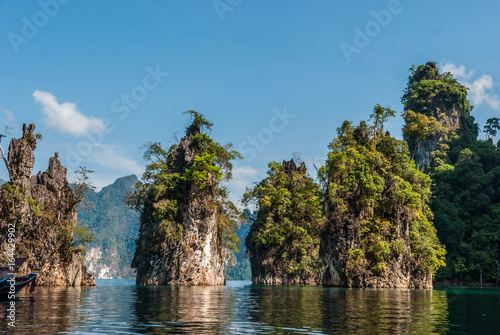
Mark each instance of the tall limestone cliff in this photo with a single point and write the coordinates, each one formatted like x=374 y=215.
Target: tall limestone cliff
x=283 y=242
x=186 y=224
x=438 y=96
x=378 y=230
x=43 y=210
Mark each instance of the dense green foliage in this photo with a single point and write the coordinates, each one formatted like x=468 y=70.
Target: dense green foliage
x=170 y=181
x=465 y=173
x=492 y=127
x=113 y=225
x=420 y=127
x=433 y=93
x=289 y=220
x=378 y=202
x=467 y=205
x=434 y=103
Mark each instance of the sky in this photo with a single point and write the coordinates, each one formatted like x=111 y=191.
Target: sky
x=100 y=79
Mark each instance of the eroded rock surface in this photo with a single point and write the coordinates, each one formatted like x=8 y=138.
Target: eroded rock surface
x=193 y=257
x=40 y=207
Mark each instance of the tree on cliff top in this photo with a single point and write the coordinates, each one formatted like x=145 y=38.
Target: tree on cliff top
x=289 y=220
x=377 y=202
x=169 y=180
x=433 y=93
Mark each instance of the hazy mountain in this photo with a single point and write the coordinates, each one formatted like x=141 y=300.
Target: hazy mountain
x=115 y=228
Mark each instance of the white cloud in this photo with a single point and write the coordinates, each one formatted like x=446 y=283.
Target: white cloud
x=109 y=156
x=8 y=118
x=457 y=71
x=66 y=117
x=480 y=90
x=243 y=177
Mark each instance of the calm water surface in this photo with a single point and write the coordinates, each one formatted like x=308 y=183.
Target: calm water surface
x=120 y=307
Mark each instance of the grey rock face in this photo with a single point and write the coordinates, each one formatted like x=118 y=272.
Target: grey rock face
x=197 y=257
x=450 y=120
x=38 y=224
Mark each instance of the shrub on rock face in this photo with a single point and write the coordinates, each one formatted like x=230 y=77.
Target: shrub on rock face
x=283 y=242
x=379 y=231
x=435 y=106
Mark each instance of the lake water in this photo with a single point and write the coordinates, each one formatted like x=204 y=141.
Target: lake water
x=120 y=307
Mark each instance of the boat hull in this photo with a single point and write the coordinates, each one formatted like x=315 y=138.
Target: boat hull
x=20 y=283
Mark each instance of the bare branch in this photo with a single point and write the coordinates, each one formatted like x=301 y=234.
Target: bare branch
x=2 y=135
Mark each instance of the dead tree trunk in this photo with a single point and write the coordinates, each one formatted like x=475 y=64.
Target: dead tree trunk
x=4 y=156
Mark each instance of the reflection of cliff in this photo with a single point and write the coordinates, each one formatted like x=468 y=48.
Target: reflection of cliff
x=287 y=306
x=48 y=311
x=186 y=309
x=43 y=210
x=391 y=310
x=253 y=309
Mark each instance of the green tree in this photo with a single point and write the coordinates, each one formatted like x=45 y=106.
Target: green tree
x=379 y=116
x=378 y=217
x=82 y=186
x=74 y=236
x=286 y=233
x=466 y=207
x=436 y=94
x=491 y=127
x=464 y=171
x=168 y=183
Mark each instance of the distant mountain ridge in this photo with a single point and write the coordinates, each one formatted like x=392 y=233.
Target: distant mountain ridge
x=115 y=228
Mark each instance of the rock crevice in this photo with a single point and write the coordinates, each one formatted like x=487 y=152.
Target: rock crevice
x=193 y=254
x=41 y=207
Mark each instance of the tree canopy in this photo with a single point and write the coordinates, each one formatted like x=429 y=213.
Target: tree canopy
x=170 y=180
x=433 y=93
x=378 y=204
x=286 y=232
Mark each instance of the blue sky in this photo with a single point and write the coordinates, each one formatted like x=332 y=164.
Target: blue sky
x=102 y=78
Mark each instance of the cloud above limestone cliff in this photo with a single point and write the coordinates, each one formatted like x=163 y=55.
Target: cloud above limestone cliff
x=243 y=177
x=7 y=117
x=110 y=156
x=66 y=117
x=480 y=89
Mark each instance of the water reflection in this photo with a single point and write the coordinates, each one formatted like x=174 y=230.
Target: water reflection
x=385 y=311
x=48 y=311
x=296 y=307
x=180 y=309
x=241 y=308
